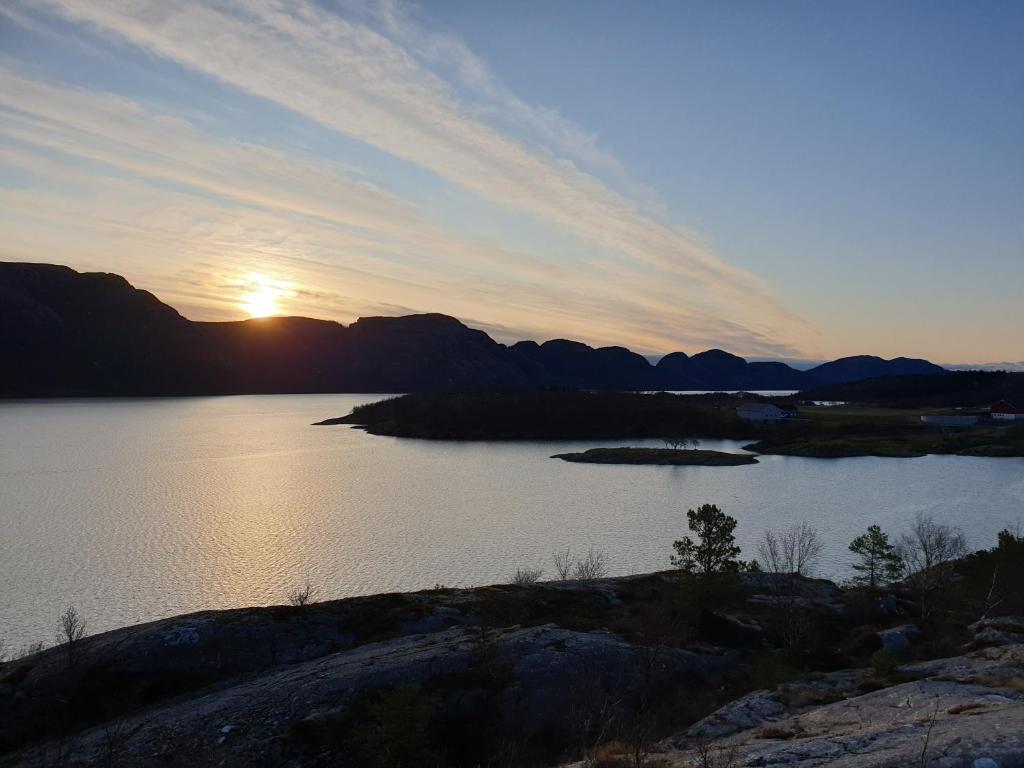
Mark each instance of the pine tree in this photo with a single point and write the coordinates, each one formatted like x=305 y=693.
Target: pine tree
x=716 y=552
x=879 y=563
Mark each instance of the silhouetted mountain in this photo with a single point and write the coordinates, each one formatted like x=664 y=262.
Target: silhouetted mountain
x=68 y=333
x=861 y=367
x=570 y=364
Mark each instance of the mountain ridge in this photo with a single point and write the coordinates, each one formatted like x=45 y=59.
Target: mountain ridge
x=64 y=332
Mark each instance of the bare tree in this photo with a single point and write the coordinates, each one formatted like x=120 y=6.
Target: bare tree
x=675 y=443
x=797 y=550
x=3 y=651
x=591 y=566
x=638 y=738
x=70 y=631
x=524 y=577
x=769 y=552
x=710 y=755
x=301 y=596
x=564 y=562
x=929 y=551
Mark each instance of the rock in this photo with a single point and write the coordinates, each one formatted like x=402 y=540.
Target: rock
x=749 y=711
x=543 y=676
x=968 y=708
x=997 y=630
x=898 y=640
x=788 y=583
x=729 y=629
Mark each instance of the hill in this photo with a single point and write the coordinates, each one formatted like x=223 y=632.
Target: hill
x=968 y=389
x=64 y=332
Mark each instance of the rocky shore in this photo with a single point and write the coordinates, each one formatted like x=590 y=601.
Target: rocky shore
x=758 y=669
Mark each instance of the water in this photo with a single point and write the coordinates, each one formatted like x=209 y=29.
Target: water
x=139 y=509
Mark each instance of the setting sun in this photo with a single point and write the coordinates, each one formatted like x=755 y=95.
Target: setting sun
x=260 y=298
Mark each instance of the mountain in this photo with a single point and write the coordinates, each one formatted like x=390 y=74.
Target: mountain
x=870 y=367
x=64 y=332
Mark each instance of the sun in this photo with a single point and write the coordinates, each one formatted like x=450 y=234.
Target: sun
x=260 y=298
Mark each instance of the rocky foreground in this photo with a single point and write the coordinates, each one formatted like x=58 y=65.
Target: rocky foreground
x=961 y=711
x=642 y=670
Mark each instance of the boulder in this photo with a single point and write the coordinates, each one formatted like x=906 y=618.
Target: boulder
x=898 y=640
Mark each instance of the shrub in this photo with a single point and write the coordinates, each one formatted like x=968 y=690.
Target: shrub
x=524 y=577
x=884 y=664
x=301 y=596
x=397 y=731
x=563 y=564
x=592 y=566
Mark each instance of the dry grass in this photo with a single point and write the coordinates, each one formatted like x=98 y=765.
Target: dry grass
x=772 y=732
x=1015 y=683
x=959 y=709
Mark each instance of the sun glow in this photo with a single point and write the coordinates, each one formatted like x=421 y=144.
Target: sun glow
x=260 y=296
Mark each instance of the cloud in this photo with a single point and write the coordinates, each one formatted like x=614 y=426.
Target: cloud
x=378 y=77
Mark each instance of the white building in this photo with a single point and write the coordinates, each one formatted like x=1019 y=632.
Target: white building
x=1003 y=411
x=765 y=413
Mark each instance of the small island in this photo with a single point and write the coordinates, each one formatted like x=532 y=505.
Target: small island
x=662 y=456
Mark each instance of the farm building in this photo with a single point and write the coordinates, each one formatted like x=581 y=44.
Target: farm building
x=1004 y=411
x=764 y=413
x=949 y=420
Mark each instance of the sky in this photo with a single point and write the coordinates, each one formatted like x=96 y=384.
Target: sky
x=789 y=180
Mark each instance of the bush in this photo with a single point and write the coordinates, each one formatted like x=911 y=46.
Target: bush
x=593 y=565
x=301 y=596
x=524 y=577
x=398 y=730
x=884 y=664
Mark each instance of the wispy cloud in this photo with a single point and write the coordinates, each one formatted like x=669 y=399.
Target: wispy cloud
x=378 y=77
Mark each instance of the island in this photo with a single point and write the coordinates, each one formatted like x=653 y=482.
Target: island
x=659 y=456
x=811 y=428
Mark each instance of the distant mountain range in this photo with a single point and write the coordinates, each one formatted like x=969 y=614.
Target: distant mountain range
x=68 y=333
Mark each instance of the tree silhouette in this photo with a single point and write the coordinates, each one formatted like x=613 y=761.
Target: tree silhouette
x=716 y=550
x=879 y=563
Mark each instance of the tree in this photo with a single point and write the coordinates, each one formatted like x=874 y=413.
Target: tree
x=70 y=631
x=716 y=551
x=928 y=552
x=879 y=562
x=797 y=550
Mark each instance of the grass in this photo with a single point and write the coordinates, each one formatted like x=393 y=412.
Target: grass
x=662 y=456
x=979 y=441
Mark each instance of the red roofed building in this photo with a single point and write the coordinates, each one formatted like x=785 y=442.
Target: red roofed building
x=1003 y=411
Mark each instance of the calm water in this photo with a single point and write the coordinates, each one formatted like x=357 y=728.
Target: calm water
x=138 y=509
